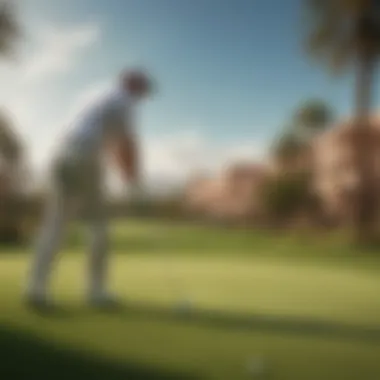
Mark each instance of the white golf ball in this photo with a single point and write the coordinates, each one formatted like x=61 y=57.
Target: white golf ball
x=256 y=366
x=184 y=306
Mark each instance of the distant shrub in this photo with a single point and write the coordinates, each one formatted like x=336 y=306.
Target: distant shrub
x=288 y=195
x=12 y=218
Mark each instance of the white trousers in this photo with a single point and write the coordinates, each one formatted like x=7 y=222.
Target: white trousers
x=76 y=190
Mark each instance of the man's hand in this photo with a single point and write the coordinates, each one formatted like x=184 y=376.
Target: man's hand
x=125 y=151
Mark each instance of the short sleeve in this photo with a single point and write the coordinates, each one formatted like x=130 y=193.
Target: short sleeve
x=118 y=115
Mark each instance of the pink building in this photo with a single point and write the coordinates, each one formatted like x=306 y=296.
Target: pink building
x=234 y=194
x=335 y=170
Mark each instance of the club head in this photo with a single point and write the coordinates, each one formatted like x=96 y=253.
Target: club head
x=184 y=306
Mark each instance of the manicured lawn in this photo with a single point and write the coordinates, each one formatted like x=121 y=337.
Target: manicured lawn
x=300 y=307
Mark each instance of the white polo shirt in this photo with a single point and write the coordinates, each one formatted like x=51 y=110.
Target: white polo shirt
x=105 y=118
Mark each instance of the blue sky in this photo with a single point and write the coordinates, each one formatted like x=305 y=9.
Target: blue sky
x=229 y=72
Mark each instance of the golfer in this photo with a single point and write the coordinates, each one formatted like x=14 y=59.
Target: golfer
x=78 y=183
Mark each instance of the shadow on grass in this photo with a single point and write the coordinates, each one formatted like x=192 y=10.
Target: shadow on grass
x=290 y=325
x=24 y=356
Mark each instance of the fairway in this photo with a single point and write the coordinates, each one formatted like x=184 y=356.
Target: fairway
x=264 y=307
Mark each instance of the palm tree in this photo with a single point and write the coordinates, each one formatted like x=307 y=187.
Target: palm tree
x=292 y=148
x=344 y=33
x=10 y=146
x=9 y=28
x=286 y=151
x=11 y=181
x=311 y=118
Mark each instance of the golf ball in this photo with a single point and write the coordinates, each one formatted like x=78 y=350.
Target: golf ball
x=184 y=306
x=256 y=366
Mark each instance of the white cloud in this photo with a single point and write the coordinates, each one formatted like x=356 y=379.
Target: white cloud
x=176 y=158
x=170 y=161
x=59 y=50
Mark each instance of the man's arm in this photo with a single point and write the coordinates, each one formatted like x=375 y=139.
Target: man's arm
x=123 y=146
x=126 y=153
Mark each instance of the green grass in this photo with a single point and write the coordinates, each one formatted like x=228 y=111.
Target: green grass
x=309 y=307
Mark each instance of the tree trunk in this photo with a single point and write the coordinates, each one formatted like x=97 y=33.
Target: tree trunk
x=365 y=208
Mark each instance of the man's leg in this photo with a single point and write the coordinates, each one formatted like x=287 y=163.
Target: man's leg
x=98 y=255
x=47 y=246
x=96 y=217
x=59 y=208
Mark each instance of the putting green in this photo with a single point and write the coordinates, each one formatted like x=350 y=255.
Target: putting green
x=298 y=319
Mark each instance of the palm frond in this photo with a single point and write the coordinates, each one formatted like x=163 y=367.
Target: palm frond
x=338 y=30
x=10 y=145
x=10 y=30
x=313 y=114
